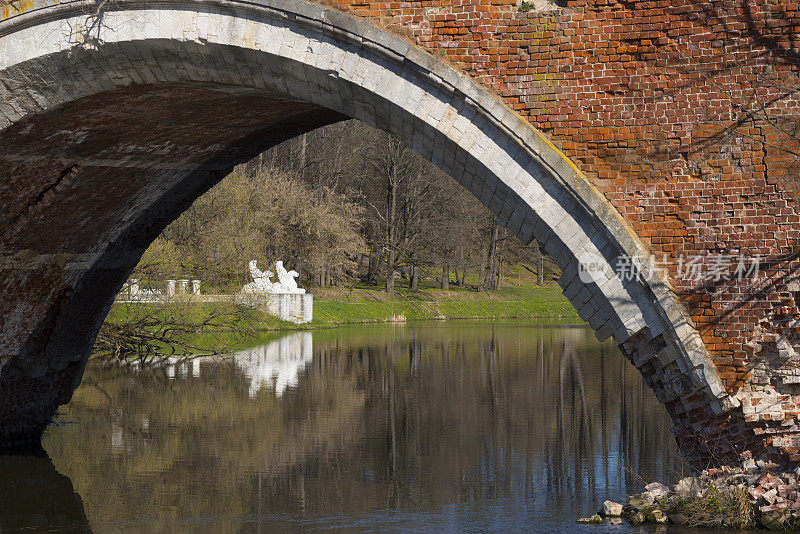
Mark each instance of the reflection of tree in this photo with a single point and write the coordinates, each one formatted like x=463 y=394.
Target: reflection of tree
x=160 y=442
x=569 y=362
x=495 y=404
x=399 y=418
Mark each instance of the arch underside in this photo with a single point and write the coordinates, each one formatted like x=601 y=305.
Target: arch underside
x=104 y=142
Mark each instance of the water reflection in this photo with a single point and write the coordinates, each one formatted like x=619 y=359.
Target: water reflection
x=276 y=365
x=419 y=427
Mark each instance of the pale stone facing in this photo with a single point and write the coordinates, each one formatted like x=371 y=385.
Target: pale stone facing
x=292 y=307
x=122 y=26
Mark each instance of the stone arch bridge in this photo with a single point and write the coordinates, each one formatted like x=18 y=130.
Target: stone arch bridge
x=636 y=133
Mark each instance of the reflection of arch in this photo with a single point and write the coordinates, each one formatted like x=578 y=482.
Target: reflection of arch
x=125 y=128
x=36 y=496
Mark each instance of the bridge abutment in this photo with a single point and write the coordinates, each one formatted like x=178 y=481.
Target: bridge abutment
x=49 y=322
x=28 y=403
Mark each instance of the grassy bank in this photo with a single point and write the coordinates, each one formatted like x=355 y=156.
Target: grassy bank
x=361 y=305
x=334 y=307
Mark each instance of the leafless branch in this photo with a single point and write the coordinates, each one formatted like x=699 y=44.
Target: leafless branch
x=151 y=334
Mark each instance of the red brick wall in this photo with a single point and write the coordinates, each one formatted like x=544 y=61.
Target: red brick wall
x=660 y=104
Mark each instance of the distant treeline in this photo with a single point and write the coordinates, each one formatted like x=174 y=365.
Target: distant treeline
x=342 y=205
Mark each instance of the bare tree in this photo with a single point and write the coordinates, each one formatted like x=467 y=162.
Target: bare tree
x=147 y=333
x=395 y=167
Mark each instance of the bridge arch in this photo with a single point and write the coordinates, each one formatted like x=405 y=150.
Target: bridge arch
x=112 y=122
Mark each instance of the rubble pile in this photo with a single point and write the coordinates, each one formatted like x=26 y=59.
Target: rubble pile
x=756 y=494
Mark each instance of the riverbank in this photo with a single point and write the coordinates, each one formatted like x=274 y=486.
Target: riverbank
x=334 y=307
x=189 y=327
x=756 y=494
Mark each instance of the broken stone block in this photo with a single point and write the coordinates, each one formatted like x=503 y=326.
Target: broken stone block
x=768 y=480
x=657 y=516
x=612 y=509
x=637 y=518
x=749 y=465
x=756 y=492
x=657 y=490
x=641 y=501
x=688 y=487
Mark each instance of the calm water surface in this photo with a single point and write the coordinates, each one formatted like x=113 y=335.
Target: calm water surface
x=513 y=426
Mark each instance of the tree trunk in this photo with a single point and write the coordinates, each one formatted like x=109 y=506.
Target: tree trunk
x=372 y=267
x=498 y=272
x=390 y=283
x=446 y=277
x=462 y=262
x=539 y=267
x=482 y=272
x=391 y=230
x=491 y=276
x=390 y=275
x=414 y=278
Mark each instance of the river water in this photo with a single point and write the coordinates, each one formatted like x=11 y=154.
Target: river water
x=453 y=426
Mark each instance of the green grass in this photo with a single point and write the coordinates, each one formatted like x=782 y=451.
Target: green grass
x=369 y=305
x=334 y=307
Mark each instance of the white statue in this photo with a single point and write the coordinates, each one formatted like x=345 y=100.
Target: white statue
x=261 y=280
x=262 y=284
x=287 y=281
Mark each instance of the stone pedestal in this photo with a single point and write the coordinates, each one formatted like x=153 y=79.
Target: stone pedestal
x=294 y=307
